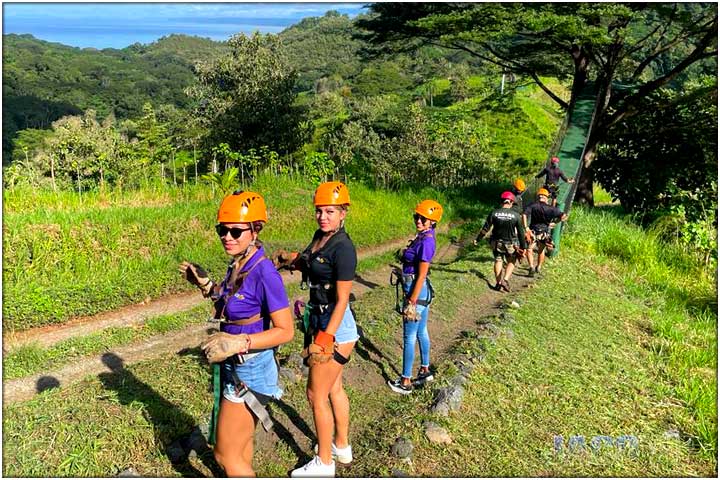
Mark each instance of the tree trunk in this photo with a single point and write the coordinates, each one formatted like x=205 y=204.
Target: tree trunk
x=52 y=172
x=77 y=169
x=196 y=163
x=584 y=192
x=581 y=62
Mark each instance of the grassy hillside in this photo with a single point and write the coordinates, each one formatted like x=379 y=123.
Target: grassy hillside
x=44 y=81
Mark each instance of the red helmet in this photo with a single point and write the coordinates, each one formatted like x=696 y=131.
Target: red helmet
x=507 y=196
x=555 y=160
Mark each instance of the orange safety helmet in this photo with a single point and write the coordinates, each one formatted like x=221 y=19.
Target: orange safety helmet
x=543 y=191
x=430 y=209
x=242 y=207
x=519 y=184
x=331 y=193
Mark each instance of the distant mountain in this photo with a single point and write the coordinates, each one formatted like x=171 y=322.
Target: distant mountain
x=322 y=47
x=44 y=81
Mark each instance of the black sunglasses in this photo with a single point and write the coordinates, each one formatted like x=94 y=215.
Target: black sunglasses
x=235 y=232
x=418 y=216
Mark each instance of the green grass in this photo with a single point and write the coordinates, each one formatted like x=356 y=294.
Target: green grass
x=73 y=259
x=682 y=299
x=601 y=196
x=580 y=361
x=32 y=358
x=574 y=365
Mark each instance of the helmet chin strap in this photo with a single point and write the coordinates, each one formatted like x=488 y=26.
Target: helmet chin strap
x=242 y=257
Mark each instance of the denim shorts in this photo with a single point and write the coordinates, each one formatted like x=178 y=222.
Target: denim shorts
x=259 y=373
x=347 y=331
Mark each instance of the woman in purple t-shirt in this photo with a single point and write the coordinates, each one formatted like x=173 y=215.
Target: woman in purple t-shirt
x=252 y=307
x=416 y=260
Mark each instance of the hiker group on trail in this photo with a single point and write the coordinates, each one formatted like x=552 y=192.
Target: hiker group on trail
x=517 y=232
x=254 y=315
x=553 y=174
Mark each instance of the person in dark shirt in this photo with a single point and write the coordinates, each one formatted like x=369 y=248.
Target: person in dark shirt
x=540 y=218
x=328 y=267
x=518 y=189
x=507 y=241
x=553 y=174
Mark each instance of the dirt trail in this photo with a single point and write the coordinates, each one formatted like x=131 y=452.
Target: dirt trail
x=25 y=388
x=136 y=314
x=369 y=370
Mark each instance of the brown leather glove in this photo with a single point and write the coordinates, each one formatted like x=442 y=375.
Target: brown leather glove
x=195 y=274
x=321 y=350
x=410 y=312
x=222 y=345
x=283 y=259
x=529 y=237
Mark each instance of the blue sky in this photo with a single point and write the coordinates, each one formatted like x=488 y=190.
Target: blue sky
x=117 y=25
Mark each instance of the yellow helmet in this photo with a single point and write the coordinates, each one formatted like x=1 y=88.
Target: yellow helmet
x=430 y=209
x=519 y=184
x=242 y=207
x=543 y=191
x=331 y=193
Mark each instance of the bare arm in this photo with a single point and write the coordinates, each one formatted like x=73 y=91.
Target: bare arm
x=281 y=332
x=420 y=277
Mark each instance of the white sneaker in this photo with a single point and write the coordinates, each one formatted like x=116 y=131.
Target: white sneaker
x=314 y=468
x=342 y=455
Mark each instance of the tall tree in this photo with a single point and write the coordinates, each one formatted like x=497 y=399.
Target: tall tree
x=246 y=97
x=644 y=46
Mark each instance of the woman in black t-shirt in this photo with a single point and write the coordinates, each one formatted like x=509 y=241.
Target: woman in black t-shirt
x=328 y=265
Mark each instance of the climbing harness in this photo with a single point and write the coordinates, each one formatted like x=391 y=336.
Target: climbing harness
x=302 y=314
x=398 y=280
x=241 y=390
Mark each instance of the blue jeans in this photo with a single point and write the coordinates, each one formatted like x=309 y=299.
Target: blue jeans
x=416 y=331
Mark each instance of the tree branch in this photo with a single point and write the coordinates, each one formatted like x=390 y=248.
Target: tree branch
x=630 y=103
x=474 y=53
x=545 y=89
x=682 y=36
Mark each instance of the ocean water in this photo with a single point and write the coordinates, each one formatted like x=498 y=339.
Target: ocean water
x=120 y=25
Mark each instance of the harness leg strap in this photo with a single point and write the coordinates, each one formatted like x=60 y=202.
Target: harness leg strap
x=212 y=431
x=257 y=408
x=251 y=400
x=337 y=356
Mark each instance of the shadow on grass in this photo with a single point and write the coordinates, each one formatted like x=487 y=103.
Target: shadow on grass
x=365 y=347
x=367 y=283
x=286 y=436
x=166 y=418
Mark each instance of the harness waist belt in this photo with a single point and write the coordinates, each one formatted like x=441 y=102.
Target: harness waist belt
x=243 y=321
x=319 y=308
x=244 y=357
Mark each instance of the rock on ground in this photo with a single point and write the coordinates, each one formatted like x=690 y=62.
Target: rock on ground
x=436 y=434
x=402 y=448
x=447 y=399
